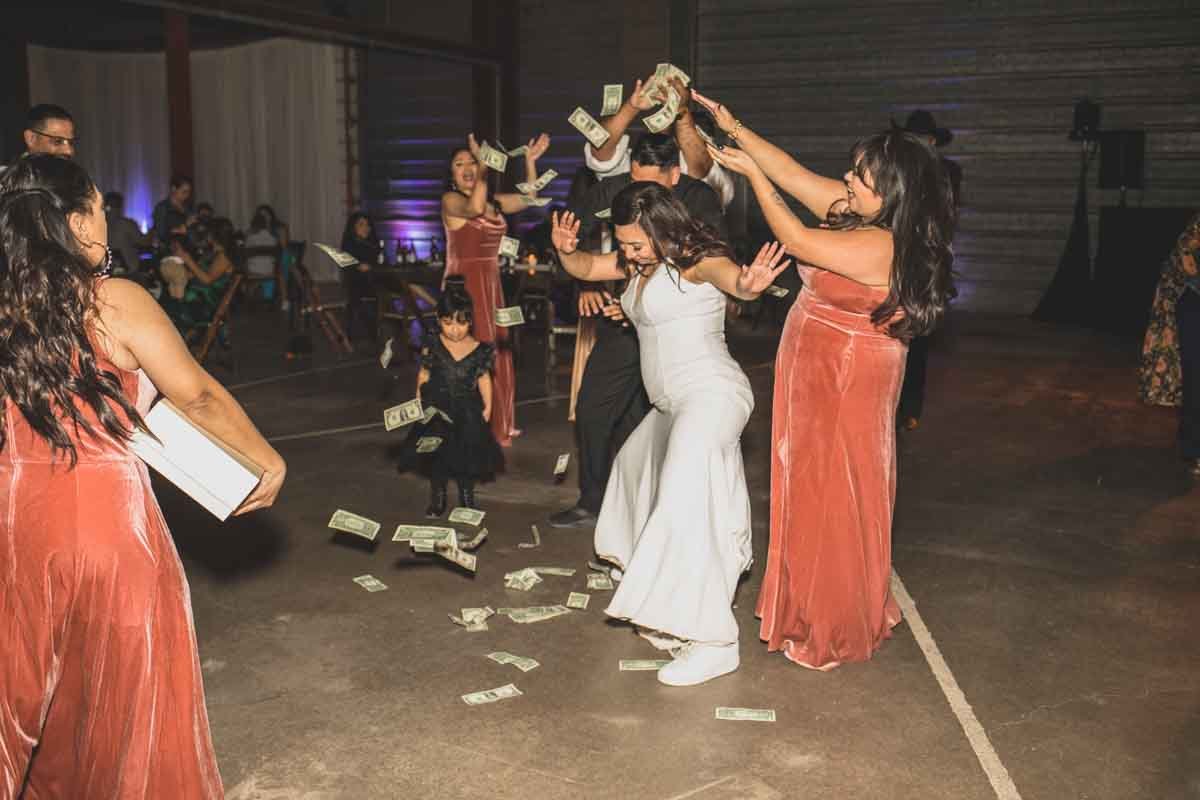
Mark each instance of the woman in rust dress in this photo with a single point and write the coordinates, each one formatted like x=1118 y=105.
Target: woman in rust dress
x=876 y=274
x=100 y=688
x=474 y=225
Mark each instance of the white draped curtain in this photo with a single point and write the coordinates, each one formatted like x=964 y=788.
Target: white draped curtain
x=266 y=129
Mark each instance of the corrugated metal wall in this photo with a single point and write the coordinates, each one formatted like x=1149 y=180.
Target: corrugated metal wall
x=1004 y=76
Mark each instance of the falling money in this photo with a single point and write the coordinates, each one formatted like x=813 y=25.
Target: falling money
x=508 y=317
x=586 y=124
x=776 y=291
x=340 y=257
x=604 y=214
x=518 y=151
x=370 y=583
x=427 y=444
x=509 y=246
x=403 y=414
x=560 y=466
x=535 y=201
x=613 y=94
x=468 y=516
x=494 y=159
x=544 y=181
x=352 y=523
x=491 y=695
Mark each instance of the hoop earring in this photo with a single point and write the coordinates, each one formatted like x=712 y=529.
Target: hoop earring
x=105 y=267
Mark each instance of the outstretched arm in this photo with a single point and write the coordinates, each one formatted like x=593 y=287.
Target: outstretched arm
x=564 y=233
x=512 y=202
x=748 y=282
x=690 y=144
x=618 y=123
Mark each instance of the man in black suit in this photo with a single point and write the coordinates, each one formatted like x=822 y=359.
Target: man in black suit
x=612 y=400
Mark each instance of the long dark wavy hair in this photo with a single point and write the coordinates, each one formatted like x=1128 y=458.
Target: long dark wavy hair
x=450 y=187
x=348 y=235
x=919 y=211
x=679 y=240
x=49 y=369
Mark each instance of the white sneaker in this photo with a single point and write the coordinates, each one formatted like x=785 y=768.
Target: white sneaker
x=698 y=663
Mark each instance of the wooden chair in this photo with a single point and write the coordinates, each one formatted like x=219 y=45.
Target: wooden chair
x=392 y=288
x=252 y=285
x=312 y=306
x=213 y=327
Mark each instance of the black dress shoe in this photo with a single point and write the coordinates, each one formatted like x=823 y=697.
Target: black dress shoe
x=466 y=496
x=574 y=517
x=437 y=502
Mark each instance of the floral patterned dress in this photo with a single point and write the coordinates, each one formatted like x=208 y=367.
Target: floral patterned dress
x=1159 y=377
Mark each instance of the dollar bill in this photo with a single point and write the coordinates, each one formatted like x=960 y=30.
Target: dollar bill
x=403 y=414
x=586 y=124
x=491 y=695
x=518 y=151
x=560 y=466
x=614 y=93
x=427 y=444
x=475 y=626
x=604 y=214
x=663 y=118
x=537 y=540
x=456 y=556
x=509 y=246
x=776 y=291
x=370 y=583
x=467 y=516
x=525 y=616
x=413 y=533
x=501 y=657
x=642 y=664
x=494 y=159
x=524 y=664
x=522 y=580
x=544 y=180
x=746 y=714
x=348 y=522
x=561 y=572
x=508 y=317
x=340 y=257
x=523 y=188
x=535 y=201
x=597 y=567
x=470 y=615
x=433 y=411
x=421 y=546
x=578 y=600
x=599 y=582
x=473 y=543
x=658 y=87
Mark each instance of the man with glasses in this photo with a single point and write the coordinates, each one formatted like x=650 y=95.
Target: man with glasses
x=50 y=129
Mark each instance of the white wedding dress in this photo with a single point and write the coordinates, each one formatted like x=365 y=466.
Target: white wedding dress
x=676 y=514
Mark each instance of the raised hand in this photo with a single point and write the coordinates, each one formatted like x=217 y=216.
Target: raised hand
x=537 y=147
x=638 y=99
x=762 y=272
x=685 y=93
x=564 y=232
x=734 y=159
x=473 y=146
x=724 y=118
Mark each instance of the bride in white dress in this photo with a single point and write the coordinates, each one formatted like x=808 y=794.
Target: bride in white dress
x=676 y=514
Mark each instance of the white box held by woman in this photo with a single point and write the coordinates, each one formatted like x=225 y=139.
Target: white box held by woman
x=211 y=472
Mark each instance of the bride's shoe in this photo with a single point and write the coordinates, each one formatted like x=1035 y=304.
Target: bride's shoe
x=698 y=663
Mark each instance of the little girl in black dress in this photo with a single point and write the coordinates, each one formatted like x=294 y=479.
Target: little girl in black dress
x=455 y=378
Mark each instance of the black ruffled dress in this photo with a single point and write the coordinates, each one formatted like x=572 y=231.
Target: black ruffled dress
x=467 y=450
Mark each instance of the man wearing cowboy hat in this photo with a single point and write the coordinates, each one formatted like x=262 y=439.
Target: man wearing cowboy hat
x=912 y=393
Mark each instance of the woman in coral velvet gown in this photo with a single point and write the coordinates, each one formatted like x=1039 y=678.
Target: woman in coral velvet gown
x=474 y=226
x=876 y=274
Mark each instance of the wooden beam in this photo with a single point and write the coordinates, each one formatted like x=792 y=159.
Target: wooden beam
x=179 y=93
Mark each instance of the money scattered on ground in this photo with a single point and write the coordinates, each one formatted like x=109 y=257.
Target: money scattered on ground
x=429 y=533
x=561 y=572
x=467 y=516
x=597 y=566
x=614 y=93
x=537 y=540
x=522 y=580
x=560 y=466
x=472 y=615
x=578 y=600
x=518 y=151
x=456 y=556
x=604 y=214
x=403 y=414
x=370 y=583
x=427 y=444
x=494 y=159
x=471 y=544
x=776 y=291
x=524 y=616
x=746 y=714
x=507 y=317
x=586 y=124
x=491 y=695
x=420 y=546
x=642 y=664
x=509 y=246
x=340 y=257
x=535 y=201
x=347 y=522
x=520 y=662
x=476 y=626
x=598 y=582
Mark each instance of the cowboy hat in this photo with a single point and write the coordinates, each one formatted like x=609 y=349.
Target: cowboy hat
x=921 y=123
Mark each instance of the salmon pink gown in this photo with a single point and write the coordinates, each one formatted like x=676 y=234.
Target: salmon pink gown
x=473 y=251
x=826 y=596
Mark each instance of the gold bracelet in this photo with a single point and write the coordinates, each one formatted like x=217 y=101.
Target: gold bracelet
x=733 y=134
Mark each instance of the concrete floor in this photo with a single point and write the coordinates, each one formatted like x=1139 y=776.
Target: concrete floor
x=1044 y=528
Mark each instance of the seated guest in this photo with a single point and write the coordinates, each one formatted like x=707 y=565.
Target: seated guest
x=261 y=264
x=171 y=215
x=204 y=212
x=124 y=236
x=211 y=280
x=360 y=241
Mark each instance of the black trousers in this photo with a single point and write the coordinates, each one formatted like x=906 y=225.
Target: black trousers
x=912 y=393
x=1187 y=315
x=611 y=403
x=359 y=310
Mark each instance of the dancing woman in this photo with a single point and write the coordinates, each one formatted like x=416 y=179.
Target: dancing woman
x=472 y=217
x=676 y=516
x=875 y=275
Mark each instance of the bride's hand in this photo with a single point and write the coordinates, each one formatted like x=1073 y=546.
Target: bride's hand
x=537 y=147
x=724 y=118
x=763 y=271
x=564 y=232
x=734 y=159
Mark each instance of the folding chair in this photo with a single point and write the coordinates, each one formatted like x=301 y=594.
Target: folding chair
x=311 y=304
x=254 y=283
x=213 y=327
x=391 y=288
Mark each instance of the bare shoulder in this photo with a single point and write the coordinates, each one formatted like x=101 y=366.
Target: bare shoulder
x=120 y=295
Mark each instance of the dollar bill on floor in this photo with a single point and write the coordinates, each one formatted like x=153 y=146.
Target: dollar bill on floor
x=614 y=93
x=560 y=466
x=524 y=664
x=501 y=657
x=477 y=626
x=491 y=695
x=544 y=180
x=410 y=533
x=370 y=583
x=525 y=616
x=427 y=444
x=494 y=159
x=403 y=414
x=537 y=540
x=471 y=544
x=522 y=580
x=467 y=516
x=776 y=291
x=599 y=583
x=509 y=246
x=348 y=522
x=538 y=202
x=455 y=556
x=597 y=567
x=746 y=714
x=561 y=572
x=510 y=316
x=471 y=615
x=642 y=664
x=586 y=124
x=578 y=601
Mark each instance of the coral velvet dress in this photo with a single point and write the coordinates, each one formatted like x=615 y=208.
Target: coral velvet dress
x=473 y=251
x=100 y=689
x=825 y=597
